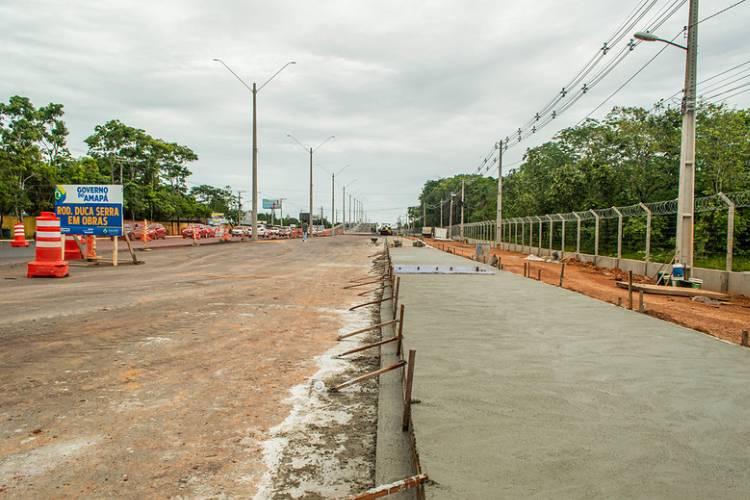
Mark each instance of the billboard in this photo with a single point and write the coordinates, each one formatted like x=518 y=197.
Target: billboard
x=94 y=209
x=270 y=204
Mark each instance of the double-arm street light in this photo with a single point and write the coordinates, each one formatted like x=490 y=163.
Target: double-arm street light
x=311 y=151
x=686 y=194
x=254 y=90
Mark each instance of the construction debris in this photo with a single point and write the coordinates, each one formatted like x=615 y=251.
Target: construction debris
x=418 y=243
x=706 y=300
x=675 y=291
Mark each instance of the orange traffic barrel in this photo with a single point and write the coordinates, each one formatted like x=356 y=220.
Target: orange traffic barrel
x=91 y=247
x=19 y=238
x=72 y=251
x=48 y=262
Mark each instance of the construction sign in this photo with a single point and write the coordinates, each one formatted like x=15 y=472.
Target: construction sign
x=90 y=209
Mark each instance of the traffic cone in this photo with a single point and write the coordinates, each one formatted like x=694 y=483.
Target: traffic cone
x=19 y=237
x=48 y=262
x=72 y=252
x=91 y=247
x=145 y=234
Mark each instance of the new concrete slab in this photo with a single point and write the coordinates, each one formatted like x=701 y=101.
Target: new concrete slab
x=528 y=390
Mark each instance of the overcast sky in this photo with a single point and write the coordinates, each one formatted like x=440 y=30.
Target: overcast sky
x=411 y=90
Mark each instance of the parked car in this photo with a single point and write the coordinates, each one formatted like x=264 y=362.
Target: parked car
x=285 y=232
x=272 y=232
x=201 y=230
x=240 y=231
x=154 y=231
x=262 y=230
x=208 y=232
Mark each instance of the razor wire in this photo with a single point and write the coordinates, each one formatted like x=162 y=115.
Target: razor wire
x=667 y=207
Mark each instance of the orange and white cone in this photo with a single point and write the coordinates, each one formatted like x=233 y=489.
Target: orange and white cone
x=19 y=237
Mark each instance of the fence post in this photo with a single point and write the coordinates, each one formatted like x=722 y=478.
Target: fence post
x=523 y=233
x=647 y=257
x=619 y=236
x=549 y=217
x=596 y=235
x=562 y=237
x=730 y=232
x=540 y=234
x=578 y=235
x=531 y=233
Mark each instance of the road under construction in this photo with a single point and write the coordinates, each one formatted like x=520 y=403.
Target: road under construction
x=355 y=366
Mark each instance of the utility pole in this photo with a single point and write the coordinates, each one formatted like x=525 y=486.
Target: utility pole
x=450 y=218
x=463 y=183
x=441 y=212
x=499 y=220
x=254 y=90
x=686 y=195
x=309 y=226
x=351 y=221
x=424 y=214
x=333 y=202
x=239 y=206
x=343 y=205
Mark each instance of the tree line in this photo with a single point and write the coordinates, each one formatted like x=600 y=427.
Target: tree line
x=34 y=157
x=630 y=156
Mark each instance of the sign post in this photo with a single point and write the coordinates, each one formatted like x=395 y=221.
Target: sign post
x=90 y=210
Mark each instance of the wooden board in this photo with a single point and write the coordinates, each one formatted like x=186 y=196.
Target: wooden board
x=674 y=291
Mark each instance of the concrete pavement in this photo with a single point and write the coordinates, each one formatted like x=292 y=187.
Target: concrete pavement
x=528 y=390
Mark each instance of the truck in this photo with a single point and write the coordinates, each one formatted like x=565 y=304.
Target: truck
x=426 y=231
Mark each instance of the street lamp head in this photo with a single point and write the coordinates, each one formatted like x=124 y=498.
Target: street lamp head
x=645 y=36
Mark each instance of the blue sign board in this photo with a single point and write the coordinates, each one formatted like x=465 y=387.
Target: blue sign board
x=270 y=204
x=94 y=209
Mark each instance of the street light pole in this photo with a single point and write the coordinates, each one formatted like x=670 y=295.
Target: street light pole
x=450 y=218
x=686 y=193
x=310 y=150
x=499 y=215
x=254 y=90
x=333 y=198
x=686 y=189
x=462 y=208
x=310 y=224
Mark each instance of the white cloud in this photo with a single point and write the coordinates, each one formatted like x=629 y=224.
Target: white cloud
x=412 y=90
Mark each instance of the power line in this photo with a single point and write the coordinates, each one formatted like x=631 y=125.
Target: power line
x=721 y=11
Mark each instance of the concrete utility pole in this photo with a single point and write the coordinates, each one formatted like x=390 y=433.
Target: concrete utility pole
x=686 y=191
x=254 y=91
x=311 y=151
x=441 y=212
x=499 y=215
x=424 y=214
x=239 y=206
x=281 y=210
x=462 y=208
x=351 y=221
x=686 y=196
x=450 y=218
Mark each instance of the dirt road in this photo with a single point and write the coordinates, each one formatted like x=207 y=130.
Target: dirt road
x=164 y=379
x=725 y=321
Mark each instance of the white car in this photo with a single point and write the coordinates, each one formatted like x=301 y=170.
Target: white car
x=262 y=231
x=242 y=231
